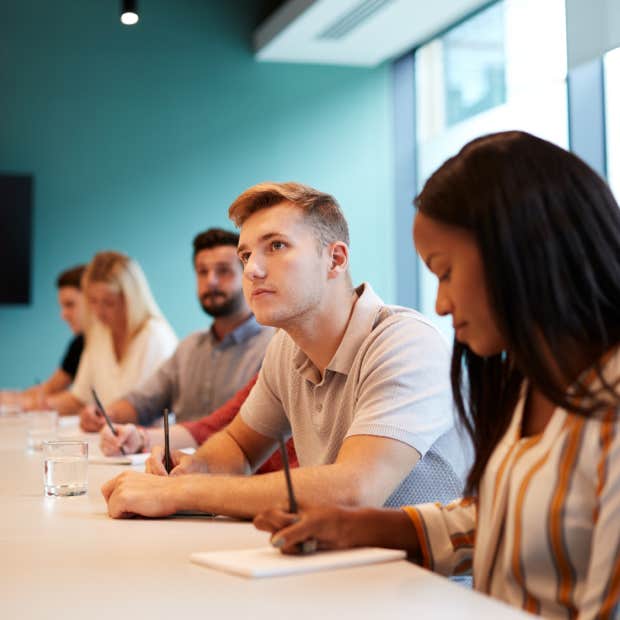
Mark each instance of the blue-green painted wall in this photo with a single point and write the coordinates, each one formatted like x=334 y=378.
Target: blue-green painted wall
x=140 y=137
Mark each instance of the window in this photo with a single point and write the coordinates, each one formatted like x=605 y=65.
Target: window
x=612 y=120
x=504 y=68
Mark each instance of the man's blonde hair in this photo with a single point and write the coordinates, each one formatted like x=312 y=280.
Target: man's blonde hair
x=125 y=276
x=322 y=210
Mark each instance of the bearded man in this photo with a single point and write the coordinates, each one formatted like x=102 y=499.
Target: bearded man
x=210 y=366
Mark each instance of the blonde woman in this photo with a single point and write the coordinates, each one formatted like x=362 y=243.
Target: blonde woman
x=127 y=337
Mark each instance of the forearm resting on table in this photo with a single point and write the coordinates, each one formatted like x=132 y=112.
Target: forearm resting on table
x=59 y=380
x=246 y=496
x=388 y=528
x=65 y=403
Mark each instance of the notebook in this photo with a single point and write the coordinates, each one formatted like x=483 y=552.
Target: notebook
x=96 y=458
x=128 y=459
x=269 y=562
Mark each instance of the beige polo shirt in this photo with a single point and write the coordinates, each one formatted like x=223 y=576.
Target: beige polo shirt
x=389 y=377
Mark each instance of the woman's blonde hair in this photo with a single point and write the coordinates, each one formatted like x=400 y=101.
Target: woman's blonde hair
x=124 y=275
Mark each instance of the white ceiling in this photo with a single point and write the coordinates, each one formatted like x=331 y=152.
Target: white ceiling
x=353 y=32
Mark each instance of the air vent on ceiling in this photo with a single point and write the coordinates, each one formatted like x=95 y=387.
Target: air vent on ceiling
x=352 y=19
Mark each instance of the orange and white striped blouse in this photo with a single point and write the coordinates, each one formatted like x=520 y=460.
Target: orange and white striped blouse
x=546 y=523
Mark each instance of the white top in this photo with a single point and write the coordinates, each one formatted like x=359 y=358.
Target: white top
x=389 y=377
x=100 y=369
x=546 y=524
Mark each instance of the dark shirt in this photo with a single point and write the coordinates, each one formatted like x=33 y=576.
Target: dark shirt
x=71 y=359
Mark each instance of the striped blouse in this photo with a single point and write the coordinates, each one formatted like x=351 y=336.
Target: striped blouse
x=546 y=523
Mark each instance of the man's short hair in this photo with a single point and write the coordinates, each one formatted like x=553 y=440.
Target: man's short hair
x=321 y=209
x=71 y=277
x=213 y=238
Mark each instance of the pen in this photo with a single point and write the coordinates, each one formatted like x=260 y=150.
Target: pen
x=106 y=416
x=307 y=546
x=167 y=457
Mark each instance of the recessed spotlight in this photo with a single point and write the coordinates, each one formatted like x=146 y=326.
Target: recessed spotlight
x=129 y=12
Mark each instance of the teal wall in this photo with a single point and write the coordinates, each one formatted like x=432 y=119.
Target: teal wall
x=140 y=137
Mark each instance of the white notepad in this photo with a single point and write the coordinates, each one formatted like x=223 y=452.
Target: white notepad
x=128 y=459
x=269 y=562
x=96 y=458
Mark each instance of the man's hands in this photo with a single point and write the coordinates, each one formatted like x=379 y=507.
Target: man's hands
x=132 y=493
x=182 y=463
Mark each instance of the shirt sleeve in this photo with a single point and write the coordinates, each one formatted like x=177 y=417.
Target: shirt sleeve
x=446 y=534
x=71 y=358
x=263 y=410
x=602 y=589
x=404 y=391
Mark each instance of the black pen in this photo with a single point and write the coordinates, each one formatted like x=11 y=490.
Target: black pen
x=307 y=546
x=167 y=457
x=106 y=416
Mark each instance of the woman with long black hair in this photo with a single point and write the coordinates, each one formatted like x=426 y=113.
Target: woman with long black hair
x=524 y=239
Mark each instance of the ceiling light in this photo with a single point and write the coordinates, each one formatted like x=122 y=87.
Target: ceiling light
x=129 y=12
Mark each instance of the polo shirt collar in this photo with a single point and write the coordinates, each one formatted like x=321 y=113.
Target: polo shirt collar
x=361 y=323
x=249 y=328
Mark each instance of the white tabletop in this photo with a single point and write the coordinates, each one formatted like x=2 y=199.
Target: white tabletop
x=64 y=558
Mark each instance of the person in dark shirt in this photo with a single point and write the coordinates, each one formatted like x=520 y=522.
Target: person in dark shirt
x=70 y=300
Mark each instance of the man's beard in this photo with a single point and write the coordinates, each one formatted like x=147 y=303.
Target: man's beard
x=227 y=307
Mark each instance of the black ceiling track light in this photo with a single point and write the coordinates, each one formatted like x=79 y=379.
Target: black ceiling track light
x=129 y=12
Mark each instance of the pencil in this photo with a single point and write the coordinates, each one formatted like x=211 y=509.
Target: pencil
x=167 y=457
x=292 y=502
x=310 y=545
x=106 y=416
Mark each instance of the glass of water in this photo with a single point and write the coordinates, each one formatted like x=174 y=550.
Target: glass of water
x=42 y=426
x=66 y=467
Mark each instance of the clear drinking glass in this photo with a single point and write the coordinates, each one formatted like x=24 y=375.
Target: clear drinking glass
x=10 y=404
x=66 y=467
x=42 y=426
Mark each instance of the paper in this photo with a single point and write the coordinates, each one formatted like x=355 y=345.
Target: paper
x=96 y=458
x=269 y=562
x=128 y=459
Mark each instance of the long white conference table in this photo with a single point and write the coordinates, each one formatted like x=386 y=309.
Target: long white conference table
x=64 y=558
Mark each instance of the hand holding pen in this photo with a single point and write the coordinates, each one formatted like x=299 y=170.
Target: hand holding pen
x=306 y=546
x=105 y=415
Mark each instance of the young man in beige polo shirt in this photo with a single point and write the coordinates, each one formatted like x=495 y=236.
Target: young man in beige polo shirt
x=361 y=386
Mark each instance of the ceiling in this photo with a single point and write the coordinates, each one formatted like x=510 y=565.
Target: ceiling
x=354 y=32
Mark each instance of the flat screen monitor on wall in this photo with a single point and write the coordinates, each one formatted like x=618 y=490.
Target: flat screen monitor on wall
x=15 y=238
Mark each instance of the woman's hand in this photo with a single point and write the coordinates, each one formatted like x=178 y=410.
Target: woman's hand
x=90 y=420
x=333 y=527
x=330 y=527
x=128 y=437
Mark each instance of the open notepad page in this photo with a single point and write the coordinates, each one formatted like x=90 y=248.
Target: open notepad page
x=96 y=458
x=269 y=562
x=128 y=459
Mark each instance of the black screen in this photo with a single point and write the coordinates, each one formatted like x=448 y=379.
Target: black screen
x=15 y=238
